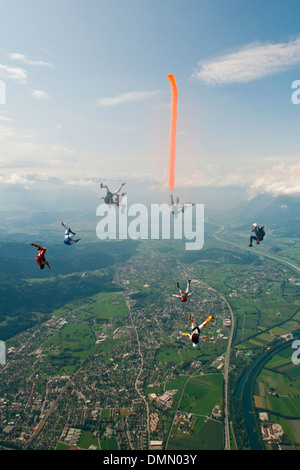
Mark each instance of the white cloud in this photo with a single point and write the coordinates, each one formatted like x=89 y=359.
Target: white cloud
x=279 y=180
x=212 y=176
x=127 y=98
x=22 y=154
x=15 y=74
x=250 y=63
x=40 y=95
x=5 y=118
x=6 y=132
x=23 y=58
x=14 y=179
x=89 y=183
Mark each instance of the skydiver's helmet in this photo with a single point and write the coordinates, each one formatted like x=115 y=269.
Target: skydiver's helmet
x=255 y=225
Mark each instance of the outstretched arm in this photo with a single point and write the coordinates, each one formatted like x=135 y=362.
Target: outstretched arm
x=34 y=244
x=39 y=247
x=205 y=322
x=186 y=334
x=119 y=188
x=104 y=186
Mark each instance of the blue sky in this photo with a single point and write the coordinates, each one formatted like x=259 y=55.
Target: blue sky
x=88 y=98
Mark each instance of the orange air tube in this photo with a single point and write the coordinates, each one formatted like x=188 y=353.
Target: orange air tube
x=173 y=131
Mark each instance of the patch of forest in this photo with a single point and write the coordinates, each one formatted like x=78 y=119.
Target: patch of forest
x=28 y=294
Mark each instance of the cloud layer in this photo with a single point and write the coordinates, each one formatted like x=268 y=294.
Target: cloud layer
x=16 y=74
x=250 y=63
x=127 y=98
x=23 y=58
x=277 y=181
x=19 y=75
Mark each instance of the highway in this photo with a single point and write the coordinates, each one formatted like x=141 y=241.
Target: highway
x=258 y=253
x=227 y=357
x=221 y=228
x=137 y=387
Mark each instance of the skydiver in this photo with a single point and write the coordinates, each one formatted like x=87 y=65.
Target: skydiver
x=184 y=295
x=109 y=198
x=40 y=259
x=186 y=204
x=259 y=234
x=195 y=337
x=174 y=206
x=177 y=207
x=69 y=240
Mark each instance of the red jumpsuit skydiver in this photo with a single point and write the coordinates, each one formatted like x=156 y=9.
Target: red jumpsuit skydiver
x=40 y=259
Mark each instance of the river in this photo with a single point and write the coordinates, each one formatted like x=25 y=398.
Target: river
x=244 y=391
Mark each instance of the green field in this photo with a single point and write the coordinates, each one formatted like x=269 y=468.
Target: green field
x=198 y=395
x=109 y=444
x=202 y=393
x=67 y=350
x=278 y=386
x=86 y=440
x=105 y=305
x=291 y=428
x=76 y=341
x=207 y=435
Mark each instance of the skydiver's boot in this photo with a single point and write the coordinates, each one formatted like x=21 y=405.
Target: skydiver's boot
x=207 y=321
x=209 y=318
x=250 y=244
x=257 y=242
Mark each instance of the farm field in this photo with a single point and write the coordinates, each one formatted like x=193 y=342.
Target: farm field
x=82 y=323
x=199 y=394
x=277 y=392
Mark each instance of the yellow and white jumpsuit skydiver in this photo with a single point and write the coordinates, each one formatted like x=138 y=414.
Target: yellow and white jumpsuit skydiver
x=195 y=337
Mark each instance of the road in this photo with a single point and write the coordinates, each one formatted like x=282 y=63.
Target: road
x=51 y=409
x=175 y=413
x=227 y=358
x=221 y=228
x=137 y=388
x=258 y=253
